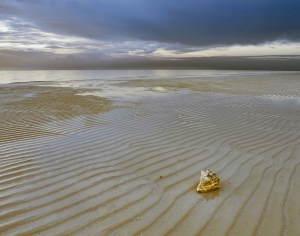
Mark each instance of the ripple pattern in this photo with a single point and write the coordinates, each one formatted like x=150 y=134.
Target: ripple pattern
x=72 y=165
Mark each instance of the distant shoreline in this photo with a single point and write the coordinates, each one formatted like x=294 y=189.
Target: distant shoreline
x=279 y=63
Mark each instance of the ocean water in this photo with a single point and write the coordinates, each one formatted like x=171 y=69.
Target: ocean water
x=7 y=77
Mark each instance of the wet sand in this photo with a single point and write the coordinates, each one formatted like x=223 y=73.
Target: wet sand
x=25 y=108
x=75 y=164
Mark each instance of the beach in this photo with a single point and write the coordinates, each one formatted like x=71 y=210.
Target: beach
x=123 y=156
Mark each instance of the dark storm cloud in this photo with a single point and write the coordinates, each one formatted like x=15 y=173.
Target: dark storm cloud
x=189 y=22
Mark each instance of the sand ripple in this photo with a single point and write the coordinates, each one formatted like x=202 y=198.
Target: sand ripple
x=72 y=165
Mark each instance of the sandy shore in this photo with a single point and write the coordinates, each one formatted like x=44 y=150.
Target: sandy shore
x=73 y=163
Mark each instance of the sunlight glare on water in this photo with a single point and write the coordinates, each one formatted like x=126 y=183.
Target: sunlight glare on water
x=108 y=75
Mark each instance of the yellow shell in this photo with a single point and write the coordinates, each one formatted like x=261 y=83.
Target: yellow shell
x=208 y=181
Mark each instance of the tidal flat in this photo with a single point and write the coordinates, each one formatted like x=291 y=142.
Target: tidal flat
x=122 y=156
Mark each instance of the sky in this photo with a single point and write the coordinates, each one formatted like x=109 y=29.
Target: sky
x=146 y=34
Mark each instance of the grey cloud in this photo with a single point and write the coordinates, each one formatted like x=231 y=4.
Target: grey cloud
x=187 y=22
x=53 y=47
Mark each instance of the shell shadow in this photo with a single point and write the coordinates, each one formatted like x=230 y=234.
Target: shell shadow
x=209 y=196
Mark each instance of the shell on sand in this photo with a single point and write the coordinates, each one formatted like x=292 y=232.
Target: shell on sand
x=208 y=181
